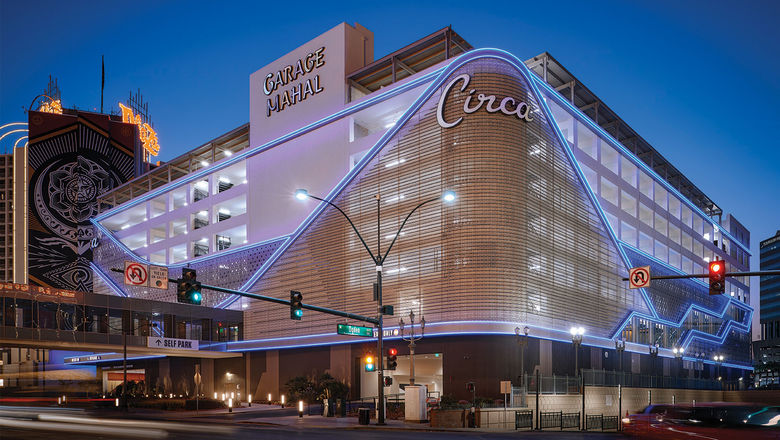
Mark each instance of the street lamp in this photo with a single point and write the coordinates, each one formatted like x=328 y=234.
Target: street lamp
x=576 y=339
x=678 y=353
x=522 y=341
x=718 y=360
x=378 y=259
x=412 y=339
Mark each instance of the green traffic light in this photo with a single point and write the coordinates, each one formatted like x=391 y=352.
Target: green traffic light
x=299 y=313
x=369 y=367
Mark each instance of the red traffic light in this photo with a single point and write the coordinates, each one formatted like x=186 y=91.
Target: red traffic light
x=392 y=352
x=717 y=277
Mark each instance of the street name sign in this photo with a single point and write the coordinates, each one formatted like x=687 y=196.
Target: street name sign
x=639 y=277
x=172 y=343
x=354 y=330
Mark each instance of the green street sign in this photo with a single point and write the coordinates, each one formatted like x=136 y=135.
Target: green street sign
x=354 y=330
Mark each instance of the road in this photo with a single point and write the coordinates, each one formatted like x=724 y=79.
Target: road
x=63 y=424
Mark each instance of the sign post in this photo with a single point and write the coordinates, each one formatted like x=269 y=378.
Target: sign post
x=197 y=385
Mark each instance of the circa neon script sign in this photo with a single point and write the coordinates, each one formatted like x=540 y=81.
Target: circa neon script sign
x=508 y=106
x=298 y=92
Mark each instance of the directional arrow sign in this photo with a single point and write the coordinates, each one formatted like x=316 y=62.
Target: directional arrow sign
x=172 y=343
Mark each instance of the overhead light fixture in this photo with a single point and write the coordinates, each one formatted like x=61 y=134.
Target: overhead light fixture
x=228 y=153
x=204 y=163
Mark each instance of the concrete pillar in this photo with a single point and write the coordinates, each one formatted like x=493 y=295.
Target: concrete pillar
x=269 y=380
x=340 y=362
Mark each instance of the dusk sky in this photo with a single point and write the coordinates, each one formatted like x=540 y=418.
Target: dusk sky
x=698 y=80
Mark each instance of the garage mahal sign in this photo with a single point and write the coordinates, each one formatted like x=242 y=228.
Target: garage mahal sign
x=294 y=74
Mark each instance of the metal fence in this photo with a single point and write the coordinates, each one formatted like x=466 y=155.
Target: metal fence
x=601 y=422
x=553 y=384
x=615 y=378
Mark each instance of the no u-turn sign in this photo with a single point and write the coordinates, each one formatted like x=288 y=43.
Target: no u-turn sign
x=639 y=277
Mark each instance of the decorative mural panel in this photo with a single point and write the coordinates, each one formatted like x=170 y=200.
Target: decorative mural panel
x=73 y=158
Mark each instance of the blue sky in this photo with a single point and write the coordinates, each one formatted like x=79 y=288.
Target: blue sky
x=697 y=79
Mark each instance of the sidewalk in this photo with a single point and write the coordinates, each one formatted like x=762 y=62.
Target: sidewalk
x=320 y=422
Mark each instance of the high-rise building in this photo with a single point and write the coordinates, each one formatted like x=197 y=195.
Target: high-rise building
x=767 y=350
x=6 y=217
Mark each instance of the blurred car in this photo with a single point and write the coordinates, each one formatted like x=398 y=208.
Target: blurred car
x=711 y=421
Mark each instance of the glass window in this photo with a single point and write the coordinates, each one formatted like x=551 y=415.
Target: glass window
x=609 y=158
x=686 y=215
x=698 y=249
x=687 y=265
x=674 y=233
x=587 y=141
x=674 y=206
x=613 y=222
x=564 y=120
x=646 y=184
x=609 y=191
x=697 y=224
x=628 y=203
x=646 y=215
x=628 y=171
x=660 y=195
x=646 y=243
x=628 y=233
x=675 y=258
x=686 y=241
x=591 y=177
x=661 y=251
x=660 y=224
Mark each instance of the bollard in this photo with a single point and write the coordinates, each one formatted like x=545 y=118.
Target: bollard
x=249 y=400
x=300 y=408
x=230 y=405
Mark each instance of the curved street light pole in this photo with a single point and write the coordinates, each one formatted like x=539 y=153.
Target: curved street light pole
x=378 y=260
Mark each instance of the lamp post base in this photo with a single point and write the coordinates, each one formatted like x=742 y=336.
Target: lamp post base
x=415 y=403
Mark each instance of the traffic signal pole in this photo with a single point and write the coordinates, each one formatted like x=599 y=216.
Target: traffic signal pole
x=707 y=275
x=281 y=301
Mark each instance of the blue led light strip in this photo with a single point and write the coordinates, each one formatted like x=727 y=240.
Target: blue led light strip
x=594 y=341
x=585 y=119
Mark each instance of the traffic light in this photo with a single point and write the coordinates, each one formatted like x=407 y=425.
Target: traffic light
x=369 y=364
x=717 y=277
x=296 y=302
x=388 y=381
x=392 y=358
x=188 y=288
